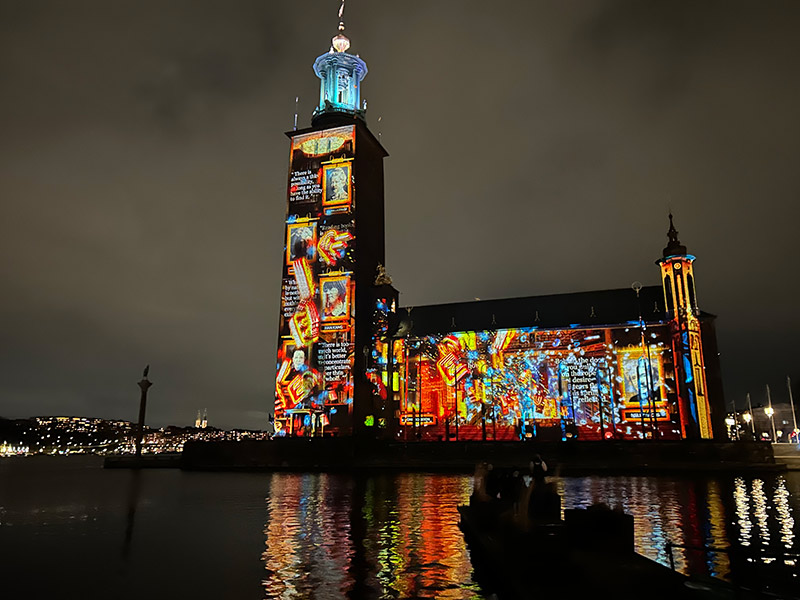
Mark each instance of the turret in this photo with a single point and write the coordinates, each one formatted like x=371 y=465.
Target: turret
x=340 y=77
x=680 y=301
x=677 y=276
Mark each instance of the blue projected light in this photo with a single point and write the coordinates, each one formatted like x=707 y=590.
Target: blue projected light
x=340 y=76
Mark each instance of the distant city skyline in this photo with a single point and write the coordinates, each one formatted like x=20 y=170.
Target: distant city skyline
x=60 y=435
x=534 y=148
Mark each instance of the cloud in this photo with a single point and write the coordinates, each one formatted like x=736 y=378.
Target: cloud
x=535 y=148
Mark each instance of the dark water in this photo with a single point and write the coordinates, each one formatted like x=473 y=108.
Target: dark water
x=70 y=529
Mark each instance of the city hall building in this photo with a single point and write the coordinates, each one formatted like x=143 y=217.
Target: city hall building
x=638 y=363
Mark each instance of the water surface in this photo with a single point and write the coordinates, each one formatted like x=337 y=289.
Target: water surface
x=70 y=529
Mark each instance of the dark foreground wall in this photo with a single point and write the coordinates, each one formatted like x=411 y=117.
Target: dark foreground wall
x=331 y=454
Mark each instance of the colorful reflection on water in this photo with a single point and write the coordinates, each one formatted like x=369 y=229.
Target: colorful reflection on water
x=334 y=536
x=397 y=536
x=201 y=535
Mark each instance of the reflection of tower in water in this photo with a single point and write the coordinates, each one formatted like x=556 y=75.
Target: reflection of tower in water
x=337 y=536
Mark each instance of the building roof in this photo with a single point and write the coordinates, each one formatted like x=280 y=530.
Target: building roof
x=580 y=309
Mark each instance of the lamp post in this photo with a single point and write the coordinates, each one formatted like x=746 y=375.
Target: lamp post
x=455 y=389
x=770 y=412
x=748 y=418
x=731 y=422
x=735 y=421
x=791 y=402
x=637 y=286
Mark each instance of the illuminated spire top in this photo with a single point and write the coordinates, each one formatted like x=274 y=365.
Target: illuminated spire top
x=674 y=246
x=341 y=75
x=340 y=43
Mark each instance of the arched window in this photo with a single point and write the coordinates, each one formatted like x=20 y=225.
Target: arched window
x=690 y=285
x=668 y=293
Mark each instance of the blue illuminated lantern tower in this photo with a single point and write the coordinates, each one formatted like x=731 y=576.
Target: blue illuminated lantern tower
x=341 y=75
x=331 y=374
x=677 y=276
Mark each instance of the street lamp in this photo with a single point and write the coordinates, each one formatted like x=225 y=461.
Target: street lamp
x=749 y=417
x=730 y=422
x=791 y=403
x=769 y=411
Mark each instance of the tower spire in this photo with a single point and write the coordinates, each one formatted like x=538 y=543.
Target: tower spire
x=674 y=246
x=340 y=43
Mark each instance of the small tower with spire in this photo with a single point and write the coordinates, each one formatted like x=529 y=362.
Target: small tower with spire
x=677 y=276
x=340 y=76
x=680 y=301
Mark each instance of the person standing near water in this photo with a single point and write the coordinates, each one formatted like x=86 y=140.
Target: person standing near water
x=538 y=470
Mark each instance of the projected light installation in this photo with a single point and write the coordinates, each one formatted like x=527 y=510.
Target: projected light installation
x=335 y=182
x=317 y=301
x=601 y=383
x=346 y=366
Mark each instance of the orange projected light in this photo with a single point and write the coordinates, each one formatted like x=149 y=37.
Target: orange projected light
x=337 y=183
x=304 y=278
x=335 y=296
x=332 y=245
x=301 y=240
x=320 y=143
x=304 y=324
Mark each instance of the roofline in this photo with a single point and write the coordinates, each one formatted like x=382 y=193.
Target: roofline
x=530 y=297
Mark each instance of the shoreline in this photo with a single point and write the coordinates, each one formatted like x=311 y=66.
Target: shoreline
x=565 y=458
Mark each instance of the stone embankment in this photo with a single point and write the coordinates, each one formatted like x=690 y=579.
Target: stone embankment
x=566 y=458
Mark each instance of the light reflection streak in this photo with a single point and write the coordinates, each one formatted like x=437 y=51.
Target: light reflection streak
x=395 y=537
x=784 y=514
x=760 y=511
x=305 y=527
x=719 y=563
x=742 y=503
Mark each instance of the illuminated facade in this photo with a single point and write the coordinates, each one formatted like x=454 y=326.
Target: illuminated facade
x=334 y=246
x=611 y=364
x=687 y=342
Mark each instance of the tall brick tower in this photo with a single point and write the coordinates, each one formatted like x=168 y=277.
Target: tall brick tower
x=334 y=248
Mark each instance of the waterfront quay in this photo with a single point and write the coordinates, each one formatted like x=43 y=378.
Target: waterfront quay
x=565 y=458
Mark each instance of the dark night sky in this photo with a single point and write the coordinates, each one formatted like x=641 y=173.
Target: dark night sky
x=143 y=170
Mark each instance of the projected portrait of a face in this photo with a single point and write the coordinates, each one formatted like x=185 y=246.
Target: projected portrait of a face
x=337 y=184
x=334 y=299
x=301 y=242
